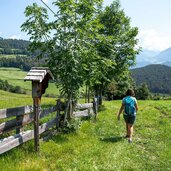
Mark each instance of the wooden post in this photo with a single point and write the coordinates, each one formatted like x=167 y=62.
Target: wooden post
x=95 y=107
x=36 y=104
x=18 y=129
x=58 y=116
x=86 y=95
x=36 y=95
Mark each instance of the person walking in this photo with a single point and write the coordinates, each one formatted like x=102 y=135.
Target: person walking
x=130 y=108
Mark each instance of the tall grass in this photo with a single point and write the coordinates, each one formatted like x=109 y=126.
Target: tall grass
x=100 y=145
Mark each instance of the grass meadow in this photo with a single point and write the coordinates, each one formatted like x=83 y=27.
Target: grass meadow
x=98 y=145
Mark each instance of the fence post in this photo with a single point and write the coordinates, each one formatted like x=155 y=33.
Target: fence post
x=58 y=117
x=36 y=104
x=95 y=107
x=18 y=118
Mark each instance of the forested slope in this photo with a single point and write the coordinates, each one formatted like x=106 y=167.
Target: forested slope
x=13 y=46
x=157 y=77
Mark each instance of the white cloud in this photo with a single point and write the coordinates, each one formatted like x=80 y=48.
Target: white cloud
x=16 y=37
x=154 y=40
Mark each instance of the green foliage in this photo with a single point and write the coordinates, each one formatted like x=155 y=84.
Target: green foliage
x=4 y=85
x=117 y=46
x=68 y=43
x=120 y=35
x=73 y=125
x=22 y=62
x=142 y=92
x=118 y=87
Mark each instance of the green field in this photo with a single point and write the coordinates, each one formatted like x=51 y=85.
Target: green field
x=15 y=76
x=7 y=56
x=11 y=55
x=100 y=145
x=9 y=100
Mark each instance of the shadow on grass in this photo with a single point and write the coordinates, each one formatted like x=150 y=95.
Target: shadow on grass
x=101 y=108
x=60 y=139
x=111 y=139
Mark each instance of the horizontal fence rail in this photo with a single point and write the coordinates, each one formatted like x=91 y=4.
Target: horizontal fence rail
x=7 y=113
x=14 y=141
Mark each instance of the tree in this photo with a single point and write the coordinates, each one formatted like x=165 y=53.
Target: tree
x=66 y=43
x=117 y=46
x=143 y=92
x=119 y=85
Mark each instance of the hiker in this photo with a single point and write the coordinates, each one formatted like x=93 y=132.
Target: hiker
x=130 y=107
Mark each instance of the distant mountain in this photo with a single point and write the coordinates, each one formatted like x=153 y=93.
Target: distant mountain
x=164 y=56
x=147 y=57
x=157 y=77
x=168 y=63
x=150 y=53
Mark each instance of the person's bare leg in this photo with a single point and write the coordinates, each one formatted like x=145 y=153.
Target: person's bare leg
x=130 y=132
x=127 y=132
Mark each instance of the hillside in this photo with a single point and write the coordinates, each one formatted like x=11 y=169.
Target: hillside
x=14 y=53
x=13 y=46
x=157 y=77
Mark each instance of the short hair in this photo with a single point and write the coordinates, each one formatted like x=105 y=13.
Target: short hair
x=130 y=92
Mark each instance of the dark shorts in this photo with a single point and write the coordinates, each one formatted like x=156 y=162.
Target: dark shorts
x=129 y=119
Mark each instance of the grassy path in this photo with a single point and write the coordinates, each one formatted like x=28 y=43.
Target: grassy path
x=100 y=145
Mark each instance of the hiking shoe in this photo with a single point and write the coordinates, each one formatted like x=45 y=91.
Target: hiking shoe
x=129 y=140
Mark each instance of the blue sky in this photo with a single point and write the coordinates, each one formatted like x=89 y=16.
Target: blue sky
x=152 y=17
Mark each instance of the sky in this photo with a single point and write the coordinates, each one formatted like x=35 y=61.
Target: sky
x=152 y=17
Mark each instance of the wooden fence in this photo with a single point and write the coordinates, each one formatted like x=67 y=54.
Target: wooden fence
x=19 y=117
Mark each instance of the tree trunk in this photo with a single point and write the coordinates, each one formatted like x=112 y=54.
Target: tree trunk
x=100 y=96
x=88 y=94
x=67 y=110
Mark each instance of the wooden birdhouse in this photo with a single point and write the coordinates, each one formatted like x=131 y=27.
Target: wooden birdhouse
x=40 y=77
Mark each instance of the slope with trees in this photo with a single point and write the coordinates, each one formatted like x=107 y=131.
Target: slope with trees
x=157 y=77
x=14 y=46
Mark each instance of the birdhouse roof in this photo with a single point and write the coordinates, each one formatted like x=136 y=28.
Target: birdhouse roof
x=38 y=74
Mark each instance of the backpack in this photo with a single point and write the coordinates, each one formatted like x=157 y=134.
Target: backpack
x=129 y=106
